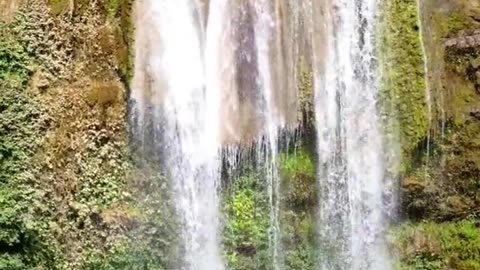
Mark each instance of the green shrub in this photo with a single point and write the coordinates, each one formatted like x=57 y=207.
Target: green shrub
x=298 y=179
x=247 y=224
x=21 y=126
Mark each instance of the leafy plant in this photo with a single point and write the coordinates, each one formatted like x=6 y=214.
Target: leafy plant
x=247 y=223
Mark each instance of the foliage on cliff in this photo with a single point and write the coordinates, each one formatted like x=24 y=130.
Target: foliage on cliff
x=440 y=176
x=21 y=126
x=246 y=229
x=63 y=152
x=298 y=204
x=443 y=179
x=403 y=77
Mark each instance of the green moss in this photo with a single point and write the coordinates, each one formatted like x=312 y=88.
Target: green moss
x=247 y=224
x=439 y=246
x=113 y=7
x=464 y=98
x=403 y=77
x=58 y=7
x=298 y=179
x=127 y=28
x=455 y=23
x=449 y=184
x=449 y=23
x=119 y=14
x=306 y=93
x=298 y=162
x=22 y=243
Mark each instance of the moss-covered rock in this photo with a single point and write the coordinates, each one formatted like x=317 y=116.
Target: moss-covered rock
x=403 y=77
x=442 y=180
x=63 y=138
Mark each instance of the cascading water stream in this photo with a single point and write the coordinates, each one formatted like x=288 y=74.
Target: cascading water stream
x=263 y=28
x=214 y=75
x=350 y=144
x=173 y=88
x=204 y=81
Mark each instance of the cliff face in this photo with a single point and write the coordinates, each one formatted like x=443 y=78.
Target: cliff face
x=72 y=194
x=440 y=163
x=63 y=138
x=448 y=186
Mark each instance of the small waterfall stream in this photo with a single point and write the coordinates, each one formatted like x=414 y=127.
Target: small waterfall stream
x=350 y=144
x=428 y=98
x=171 y=74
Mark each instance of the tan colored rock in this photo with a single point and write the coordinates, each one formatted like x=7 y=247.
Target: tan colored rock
x=8 y=8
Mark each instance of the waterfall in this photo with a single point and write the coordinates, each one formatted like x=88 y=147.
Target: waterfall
x=350 y=143
x=210 y=76
x=214 y=79
x=174 y=89
x=263 y=30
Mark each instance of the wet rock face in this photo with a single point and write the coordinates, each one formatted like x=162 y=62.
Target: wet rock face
x=441 y=183
x=474 y=9
x=464 y=42
x=246 y=55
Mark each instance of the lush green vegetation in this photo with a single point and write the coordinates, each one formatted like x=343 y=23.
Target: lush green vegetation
x=440 y=182
x=247 y=223
x=61 y=176
x=299 y=200
x=403 y=77
x=65 y=167
x=248 y=216
x=21 y=124
x=436 y=246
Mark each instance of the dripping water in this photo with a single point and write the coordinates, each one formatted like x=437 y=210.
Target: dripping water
x=428 y=99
